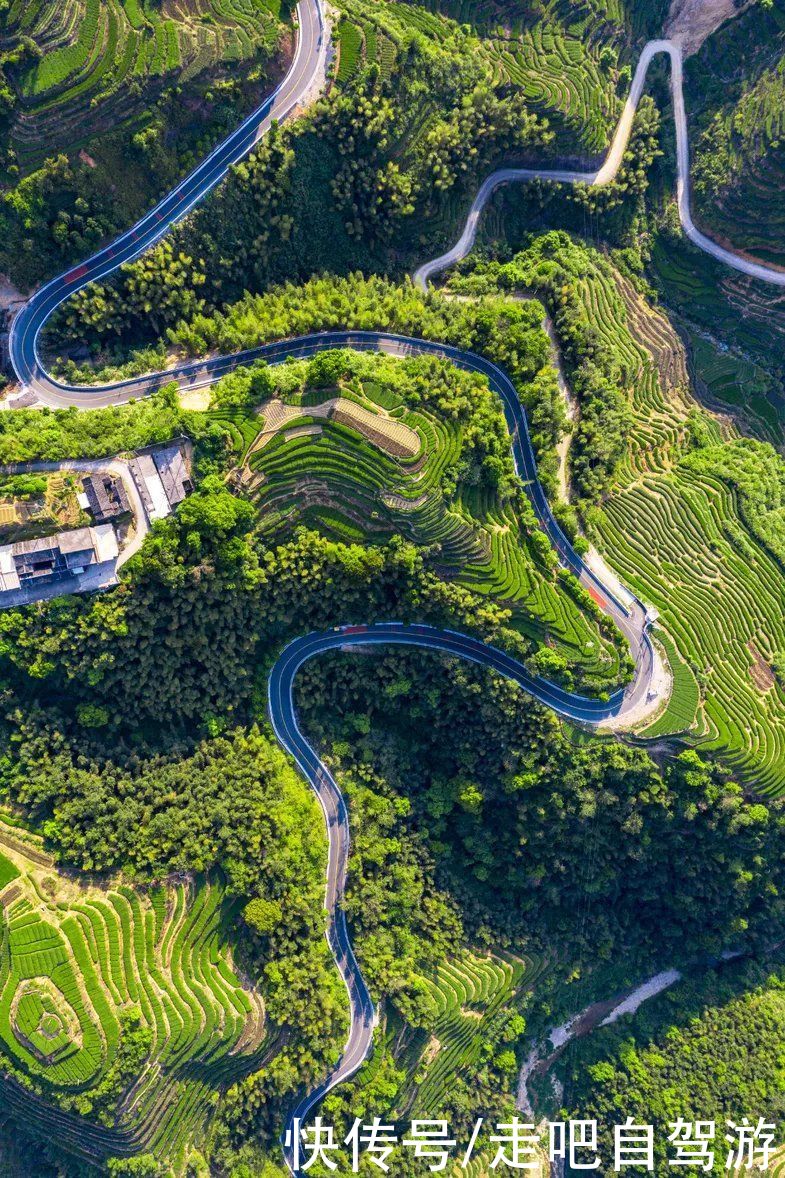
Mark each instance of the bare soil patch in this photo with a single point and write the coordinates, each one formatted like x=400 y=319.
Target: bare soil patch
x=9 y=294
x=393 y=437
x=760 y=671
x=691 y=22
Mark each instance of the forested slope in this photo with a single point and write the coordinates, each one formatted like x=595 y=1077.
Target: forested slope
x=104 y=106
x=506 y=869
x=736 y=89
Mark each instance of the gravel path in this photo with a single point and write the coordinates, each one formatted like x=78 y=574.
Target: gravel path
x=607 y=173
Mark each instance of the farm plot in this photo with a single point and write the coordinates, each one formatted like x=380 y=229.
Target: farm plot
x=742 y=387
x=680 y=528
x=558 y=72
x=474 y=996
x=601 y=18
x=38 y=506
x=350 y=42
x=677 y=535
x=99 y=56
x=739 y=133
x=344 y=479
x=555 y=60
x=678 y=540
x=84 y=973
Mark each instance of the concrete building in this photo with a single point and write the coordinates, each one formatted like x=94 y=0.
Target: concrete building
x=163 y=477
x=9 y=578
x=56 y=560
x=105 y=498
x=173 y=469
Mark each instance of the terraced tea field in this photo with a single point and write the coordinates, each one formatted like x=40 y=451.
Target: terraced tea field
x=678 y=537
x=474 y=996
x=329 y=474
x=643 y=18
x=556 y=61
x=91 y=978
x=103 y=61
x=736 y=86
x=710 y=299
x=738 y=386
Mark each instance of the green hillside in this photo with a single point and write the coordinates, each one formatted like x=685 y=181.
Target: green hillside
x=123 y=1005
x=736 y=89
x=453 y=495
x=683 y=528
x=90 y=66
x=107 y=104
x=167 y=991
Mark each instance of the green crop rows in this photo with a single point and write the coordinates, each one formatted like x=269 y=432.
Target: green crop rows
x=554 y=61
x=678 y=539
x=340 y=483
x=722 y=604
x=75 y=965
x=473 y=996
x=350 y=40
x=8 y=871
x=560 y=73
x=469 y=993
x=591 y=22
x=96 y=53
x=740 y=132
x=679 y=716
x=741 y=386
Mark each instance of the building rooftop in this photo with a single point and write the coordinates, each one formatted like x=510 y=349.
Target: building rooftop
x=106 y=497
x=78 y=540
x=48 y=558
x=9 y=578
x=151 y=488
x=106 y=546
x=163 y=477
x=175 y=475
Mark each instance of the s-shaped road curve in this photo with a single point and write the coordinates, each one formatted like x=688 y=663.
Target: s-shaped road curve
x=29 y=321
x=303 y=73
x=630 y=617
x=607 y=173
x=280 y=694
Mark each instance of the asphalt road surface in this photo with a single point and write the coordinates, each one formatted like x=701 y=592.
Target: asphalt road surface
x=630 y=615
x=280 y=694
x=607 y=173
x=30 y=319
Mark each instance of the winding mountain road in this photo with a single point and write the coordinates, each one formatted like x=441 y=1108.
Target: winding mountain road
x=630 y=615
x=607 y=173
x=304 y=72
x=280 y=694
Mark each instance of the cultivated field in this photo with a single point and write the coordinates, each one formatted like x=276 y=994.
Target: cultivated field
x=678 y=535
x=348 y=485
x=473 y=996
x=102 y=61
x=565 y=65
x=119 y=1003
x=736 y=87
x=739 y=386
